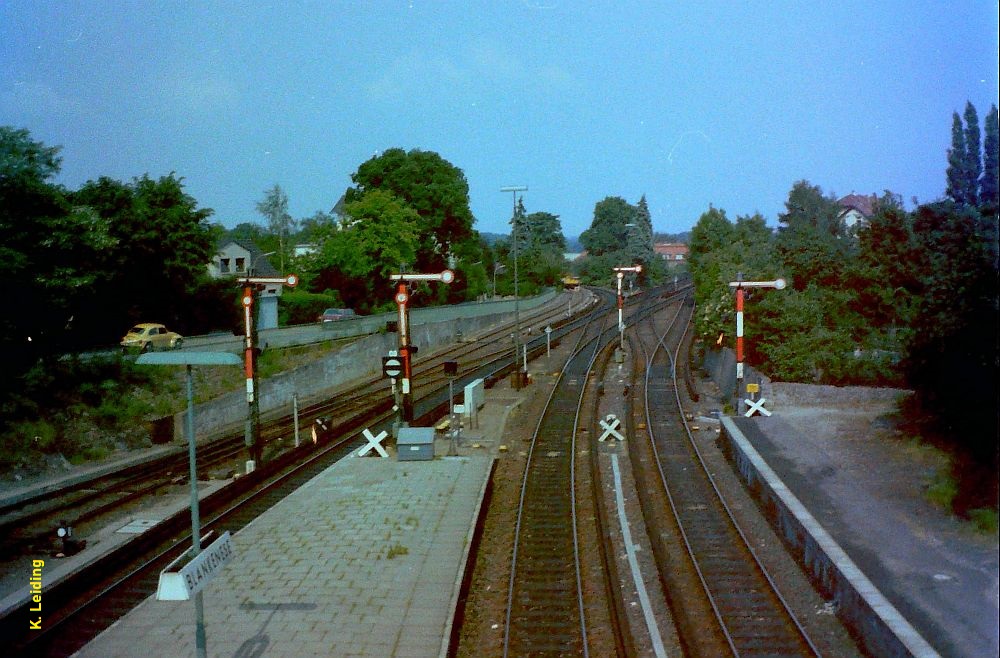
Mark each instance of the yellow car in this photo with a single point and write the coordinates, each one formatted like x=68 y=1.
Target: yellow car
x=150 y=336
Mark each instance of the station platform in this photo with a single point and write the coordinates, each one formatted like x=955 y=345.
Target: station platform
x=910 y=580
x=365 y=560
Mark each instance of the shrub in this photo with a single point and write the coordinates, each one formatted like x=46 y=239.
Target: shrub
x=301 y=307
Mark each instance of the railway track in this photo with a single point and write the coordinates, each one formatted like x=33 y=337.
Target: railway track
x=28 y=525
x=93 y=598
x=722 y=598
x=562 y=598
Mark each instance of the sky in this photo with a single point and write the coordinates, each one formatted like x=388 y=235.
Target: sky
x=691 y=104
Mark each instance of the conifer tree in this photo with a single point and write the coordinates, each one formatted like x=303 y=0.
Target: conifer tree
x=956 y=161
x=988 y=196
x=973 y=162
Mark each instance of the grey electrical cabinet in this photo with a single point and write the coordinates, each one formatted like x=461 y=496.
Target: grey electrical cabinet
x=415 y=444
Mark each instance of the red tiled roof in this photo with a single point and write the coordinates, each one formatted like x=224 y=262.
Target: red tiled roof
x=863 y=204
x=671 y=249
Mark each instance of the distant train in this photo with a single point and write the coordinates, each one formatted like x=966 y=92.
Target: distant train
x=570 y=282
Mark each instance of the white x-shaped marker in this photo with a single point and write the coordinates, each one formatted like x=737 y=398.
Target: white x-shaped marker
x=610 y=425
x=755 y=407
x=373 y=442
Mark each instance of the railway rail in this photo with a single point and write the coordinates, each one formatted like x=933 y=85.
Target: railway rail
x=91 y=599
x=557 y=603
x=722 y=598
x=28 y=525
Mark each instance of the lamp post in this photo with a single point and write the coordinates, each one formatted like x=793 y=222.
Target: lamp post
x=189 y=359
x=739 y=284
x=519 y=378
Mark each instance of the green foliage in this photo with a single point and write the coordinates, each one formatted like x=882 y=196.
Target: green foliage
x=985 y=519
x=431 y=186
x=303 y=307
x=956 y=188
x=942 y=490
x=608 y=232
x=49 y=253
x=54 y=393
x=355 y=259
x=619 y=235
x=958 y=320
x=162 y=244
x=989 y=183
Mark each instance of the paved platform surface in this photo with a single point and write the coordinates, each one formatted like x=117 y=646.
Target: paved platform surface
x=364 y=560
x=942 y=578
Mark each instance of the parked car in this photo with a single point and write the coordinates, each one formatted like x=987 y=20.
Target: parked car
x=335 y=314
x=151 y=336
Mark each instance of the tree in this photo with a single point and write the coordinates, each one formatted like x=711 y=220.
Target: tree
x=712 y=233
x=988 y=196
x=435 y=189
x=275 y=208
x=26 y=160
x=165 y=242
x=608 y=233
x=957 y=340
x=886 y=273
x=640 y=243
x=542 y=261
x=356 y=261
x=48 y=253
x=973 y=162
x=957 y=189
x=810 y=241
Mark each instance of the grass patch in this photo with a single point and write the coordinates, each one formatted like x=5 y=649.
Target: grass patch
x=942 y=489
x=985 y=519
x=396 y=550
x=80 y=408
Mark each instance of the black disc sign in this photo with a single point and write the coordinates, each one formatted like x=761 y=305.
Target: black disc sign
x=392 y=366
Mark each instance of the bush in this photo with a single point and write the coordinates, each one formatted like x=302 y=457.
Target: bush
x=301 y=307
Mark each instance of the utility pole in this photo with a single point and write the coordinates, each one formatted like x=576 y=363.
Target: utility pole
x=405 y=349
x=520 y=376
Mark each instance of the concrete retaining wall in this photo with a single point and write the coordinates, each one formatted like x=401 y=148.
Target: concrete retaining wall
x=362 y=358
x=882 y=630
x=368 y=324
x=721 y=367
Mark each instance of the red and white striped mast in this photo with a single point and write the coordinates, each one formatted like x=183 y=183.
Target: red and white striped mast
x=620 y=273
x=405 y=351
x=739 y=284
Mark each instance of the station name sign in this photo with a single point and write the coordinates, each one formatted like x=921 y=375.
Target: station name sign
x=179 y=583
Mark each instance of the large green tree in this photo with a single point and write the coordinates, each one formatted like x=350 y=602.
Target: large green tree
x=355 y=259
x=990 y=181
x=957 y=188
x=811 y=238
x=436 y=189
x=50 y=251
x=608 y=232
x=164 y=244
x=973 y=161
x=953 y=358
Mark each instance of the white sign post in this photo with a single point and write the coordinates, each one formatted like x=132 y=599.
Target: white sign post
x=180 y=584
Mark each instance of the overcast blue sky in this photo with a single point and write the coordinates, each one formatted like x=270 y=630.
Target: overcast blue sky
x=689 y=103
